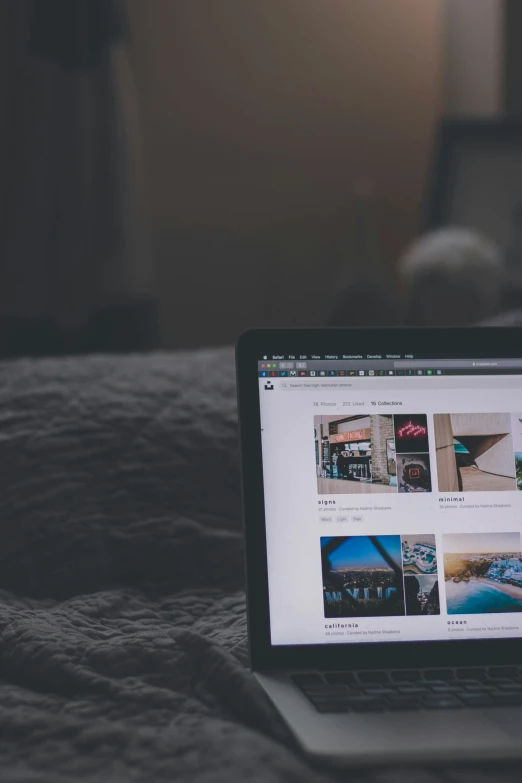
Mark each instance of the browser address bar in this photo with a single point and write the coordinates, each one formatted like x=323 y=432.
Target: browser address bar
x=457 y=363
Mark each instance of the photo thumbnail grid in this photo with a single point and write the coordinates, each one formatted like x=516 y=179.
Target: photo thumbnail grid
x=380 y=576
x=372 y=454
x=394 y=575
x=389 y=453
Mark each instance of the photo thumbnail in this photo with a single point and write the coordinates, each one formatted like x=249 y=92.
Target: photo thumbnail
x=421 y=594
x=475 y=452
x=413 y=473
x=362 y=576
x=516 y=427
x=411 y=434
x=419 y=554
x=483 y=572
x=421 y=584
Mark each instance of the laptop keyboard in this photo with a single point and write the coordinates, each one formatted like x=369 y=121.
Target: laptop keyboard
x=412 y=689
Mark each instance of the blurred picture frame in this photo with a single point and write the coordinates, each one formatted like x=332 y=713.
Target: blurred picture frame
x=476 y=181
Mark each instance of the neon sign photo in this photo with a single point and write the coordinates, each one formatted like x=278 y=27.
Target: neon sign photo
x=411 y=430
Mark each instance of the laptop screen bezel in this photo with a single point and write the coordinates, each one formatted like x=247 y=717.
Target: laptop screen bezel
x=460 y=343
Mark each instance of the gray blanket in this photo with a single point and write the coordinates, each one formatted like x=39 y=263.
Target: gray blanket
x=122 y=616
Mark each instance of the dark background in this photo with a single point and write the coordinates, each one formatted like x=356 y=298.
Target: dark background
x=176 y=172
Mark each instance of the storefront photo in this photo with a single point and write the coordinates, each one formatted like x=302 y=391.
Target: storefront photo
x=355 y=454
x=372 y=454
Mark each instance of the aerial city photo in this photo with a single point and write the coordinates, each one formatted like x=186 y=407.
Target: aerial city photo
x=483 y=572
x=419 y=554
x=362 y=576
x=421 y=584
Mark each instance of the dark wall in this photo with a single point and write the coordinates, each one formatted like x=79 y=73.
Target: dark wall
x=257 y=118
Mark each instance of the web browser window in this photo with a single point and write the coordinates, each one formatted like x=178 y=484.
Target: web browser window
x=393 y=497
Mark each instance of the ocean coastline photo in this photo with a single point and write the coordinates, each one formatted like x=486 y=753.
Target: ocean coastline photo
x=483 y=573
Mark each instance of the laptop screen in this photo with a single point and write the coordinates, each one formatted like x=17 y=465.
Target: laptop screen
x=393 y=499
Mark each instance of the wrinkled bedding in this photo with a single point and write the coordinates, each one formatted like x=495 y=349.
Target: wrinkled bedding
x=122 y=612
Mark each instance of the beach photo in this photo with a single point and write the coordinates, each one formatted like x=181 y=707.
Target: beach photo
x=413 y=473
x=421 y=594
x=355 y=455
x=362 y=576
x=475 y=452
x=411 y=433
x=419 y=554
x=483 y=572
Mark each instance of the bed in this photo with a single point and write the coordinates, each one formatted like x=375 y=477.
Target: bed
x=122 y=612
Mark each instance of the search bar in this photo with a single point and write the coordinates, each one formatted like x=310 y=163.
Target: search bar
x=394 y=383
x=314 y=385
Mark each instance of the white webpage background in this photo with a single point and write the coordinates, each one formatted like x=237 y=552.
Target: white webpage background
x=292 y=511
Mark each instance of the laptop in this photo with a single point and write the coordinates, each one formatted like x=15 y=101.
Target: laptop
x=382 y=485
